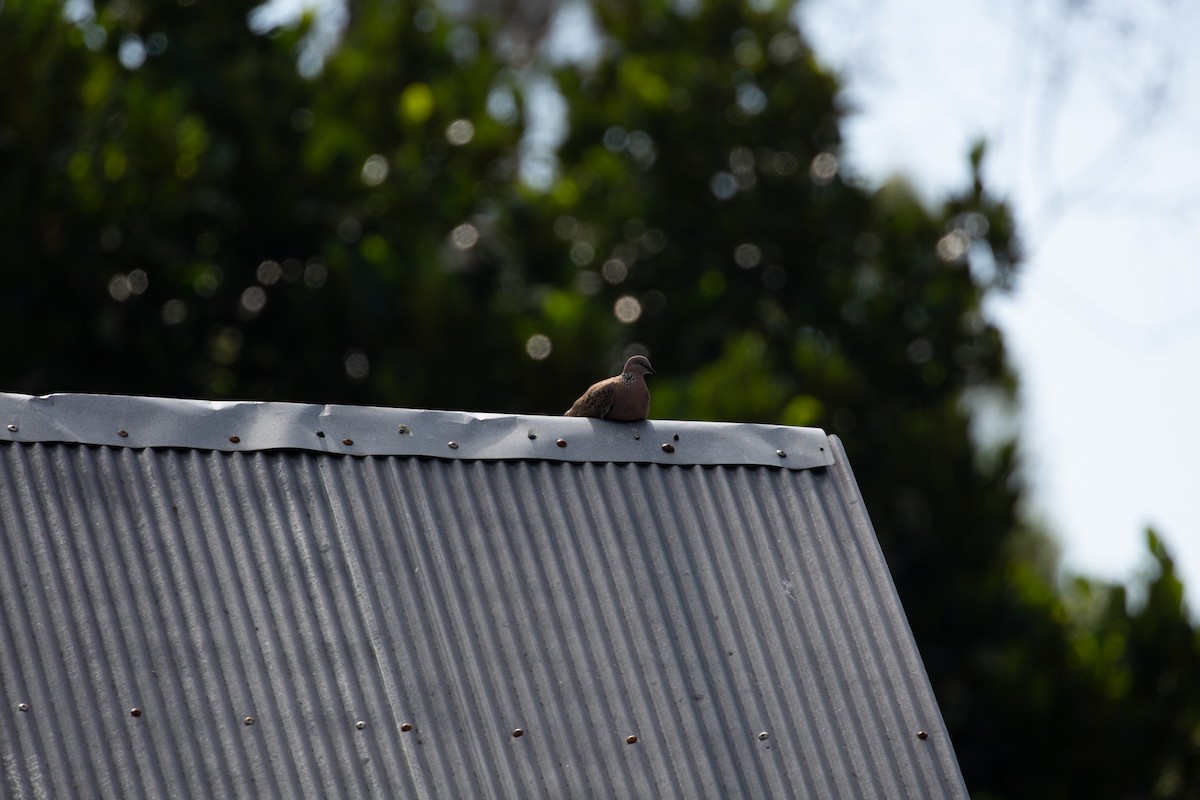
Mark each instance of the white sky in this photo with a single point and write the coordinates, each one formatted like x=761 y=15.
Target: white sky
x=1092 y=121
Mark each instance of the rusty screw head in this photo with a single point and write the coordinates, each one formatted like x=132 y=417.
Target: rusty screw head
x=135 y=712
x=668 y=448
x=631 y=739
x=235 y=439
x=122 y=433
x=406 y=726
x=518 y=733
x=347 y=441
x=922 y=735
x=561 y=443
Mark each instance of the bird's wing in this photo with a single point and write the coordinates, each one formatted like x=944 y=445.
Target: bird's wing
x=596 y=402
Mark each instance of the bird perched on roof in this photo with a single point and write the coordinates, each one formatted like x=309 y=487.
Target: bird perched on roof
x=624 y=397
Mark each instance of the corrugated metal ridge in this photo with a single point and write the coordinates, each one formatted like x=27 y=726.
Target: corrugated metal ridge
x=244 y=426
x=288 y=624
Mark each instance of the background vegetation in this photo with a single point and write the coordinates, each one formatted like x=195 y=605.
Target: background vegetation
x=185 y=212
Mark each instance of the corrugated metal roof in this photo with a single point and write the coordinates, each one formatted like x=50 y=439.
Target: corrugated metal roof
x=184 y=621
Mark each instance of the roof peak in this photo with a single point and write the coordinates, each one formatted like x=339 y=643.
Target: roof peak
x=249 y=426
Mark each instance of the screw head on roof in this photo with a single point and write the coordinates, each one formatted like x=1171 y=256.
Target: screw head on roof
x=762 y=737
x=668 y=448
x=320 y=434
x=122 y=433
x=533 y=434
x=781 y=454
x=235 y=439
x=922 y=735
x=13 y=428
x=406 y=726
x=22 y=706
x=452 y=445
x=403 y=430
x=518 y=733
x=631 y=739
x=561 y=442
x=360 y=724
x=347 y=441
x=675 y=437
x=247 y=720
x=135 y=712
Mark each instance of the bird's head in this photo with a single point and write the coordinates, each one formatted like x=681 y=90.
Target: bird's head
x=638 y=365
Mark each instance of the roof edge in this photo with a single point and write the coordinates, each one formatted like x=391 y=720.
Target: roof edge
x=249 y=426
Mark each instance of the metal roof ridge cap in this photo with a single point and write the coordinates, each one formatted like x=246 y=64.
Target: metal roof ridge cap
x=252 y=425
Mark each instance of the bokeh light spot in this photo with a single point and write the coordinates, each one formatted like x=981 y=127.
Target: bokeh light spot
x=653 y=241
x=614 y=271
x=627 y=309
x=565 y=226
x=654 y=301
x=302 y=120
x=953 y=246
x=132 y=52
x=919 y=351
x=614 y=139
x=784 y=47
x=139 y=281
x=741 y=159
x=118 y=288
x=315 y=274
x=460 y=132
x=374 y=170
x=747 y=255
x=751 y=99
x=254 y=298
x=712 y=283
x=416 y=103
x=349 y=230
x=724 y=185
x=174 y=311
x=268 y=272
x=774 y=277
x=464 y=237
x=824 y=168
x=207 y=279
x=582 y=254
x=357 y=364
x=784 y=163
x=588 y=283
x=502 y=106
x=642 y=148
x=538 y=347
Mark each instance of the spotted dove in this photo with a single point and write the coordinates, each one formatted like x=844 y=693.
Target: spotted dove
x=623 y=397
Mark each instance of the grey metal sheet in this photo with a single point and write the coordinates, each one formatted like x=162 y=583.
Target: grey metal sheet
x=239 y=426
x=388 y=623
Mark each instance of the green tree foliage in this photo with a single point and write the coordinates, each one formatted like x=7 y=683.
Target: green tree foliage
x=186 y=213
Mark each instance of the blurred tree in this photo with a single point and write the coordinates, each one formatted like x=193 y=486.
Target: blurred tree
x=185 y=212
